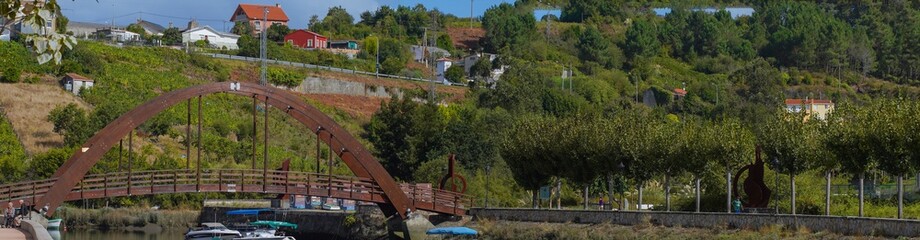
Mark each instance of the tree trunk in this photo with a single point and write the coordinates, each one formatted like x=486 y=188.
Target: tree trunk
x=862 y=180
x=609 y=192
x=696 y=180
x=586 y=197
x=559 y=194
x=667 y=192
x=639 y=202
x=728 y=189
x=827 y=193
x=792 y=191
x=534 y=199
x=900 y=196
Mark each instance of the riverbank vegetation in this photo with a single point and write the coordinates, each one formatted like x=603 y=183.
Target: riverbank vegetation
x=518 y=230
x=124 y=218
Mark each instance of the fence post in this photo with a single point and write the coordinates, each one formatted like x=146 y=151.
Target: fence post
x=175 y=181
x=105 y=185
x=309 y=183
x=220 y=180
x=152 y=177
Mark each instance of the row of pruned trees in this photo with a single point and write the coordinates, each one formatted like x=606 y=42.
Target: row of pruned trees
x=633 y=144
x=638 y=145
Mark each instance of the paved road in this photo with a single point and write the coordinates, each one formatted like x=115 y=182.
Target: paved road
x=12 y=234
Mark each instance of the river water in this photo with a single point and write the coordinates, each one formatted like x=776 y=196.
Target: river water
x=117 y=235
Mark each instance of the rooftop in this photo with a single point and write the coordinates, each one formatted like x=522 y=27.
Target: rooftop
x=798 y=101
x=254 y=11
x=75 y=76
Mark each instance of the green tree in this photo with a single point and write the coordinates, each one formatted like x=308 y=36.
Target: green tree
x=454 y=74
x=524 y=149
x=482 y=69
x=641 y=39
x=239 y=28
x=45 y=164
x=507 y=27
x=406 y=134
x=276 y=32
x=337 y=21
x=793 y=145
x=71 y=122
x=137 y=28
x=393 y=56
x=444 y=42
x=592 y=46
x=172 y=36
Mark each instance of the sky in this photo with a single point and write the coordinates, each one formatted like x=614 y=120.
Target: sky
x=217 y=13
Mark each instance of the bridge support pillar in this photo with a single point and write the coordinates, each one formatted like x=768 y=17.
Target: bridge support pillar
x=410 y=228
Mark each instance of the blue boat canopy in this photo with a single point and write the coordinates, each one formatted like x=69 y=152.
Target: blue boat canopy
x=274 y=224
x=247 y=211
x=452 y=231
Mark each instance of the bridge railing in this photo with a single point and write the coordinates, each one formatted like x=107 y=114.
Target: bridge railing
x=426 y=195
x=238 y=180
x=25 y=190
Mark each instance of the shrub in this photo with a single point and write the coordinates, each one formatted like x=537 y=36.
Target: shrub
x=284 y=77
x=11 y=74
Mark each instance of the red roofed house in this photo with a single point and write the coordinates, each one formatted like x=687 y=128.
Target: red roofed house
x=254 y=15
x=818 y=108
x=306 y=39
x=680 y=92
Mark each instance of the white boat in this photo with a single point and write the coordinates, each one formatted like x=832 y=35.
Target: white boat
x=263 y=234
x=267 y=230
x=212 y=231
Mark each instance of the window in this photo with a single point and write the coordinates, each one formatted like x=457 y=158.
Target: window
x=291 y=41
x=258 y=25
x=310 y=43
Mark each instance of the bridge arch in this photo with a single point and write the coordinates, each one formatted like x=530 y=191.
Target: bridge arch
x=355 y=156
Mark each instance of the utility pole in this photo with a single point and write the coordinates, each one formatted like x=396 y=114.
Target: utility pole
x=471 y=14
x=112 y=29
x=263 y=54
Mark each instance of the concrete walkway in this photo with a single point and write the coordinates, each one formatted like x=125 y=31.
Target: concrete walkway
x=13 y=234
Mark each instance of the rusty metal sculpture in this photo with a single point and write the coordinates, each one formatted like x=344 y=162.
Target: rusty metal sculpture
x=757 y=192
x=352 y=152
x=452 y=181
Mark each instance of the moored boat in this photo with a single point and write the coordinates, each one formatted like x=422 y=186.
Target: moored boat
x=211 y=231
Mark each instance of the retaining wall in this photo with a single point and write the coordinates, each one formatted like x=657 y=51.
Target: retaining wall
x=835 y=224
x=333 y=86
x=36 y=229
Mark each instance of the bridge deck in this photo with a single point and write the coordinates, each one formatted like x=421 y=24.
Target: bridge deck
x=12 y=234
x=236 y=180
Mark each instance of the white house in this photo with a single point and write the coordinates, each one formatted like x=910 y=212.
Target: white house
x=215 y=38
x=120 y=35
x=471 y=60
x=74 y=83
x=441 y=69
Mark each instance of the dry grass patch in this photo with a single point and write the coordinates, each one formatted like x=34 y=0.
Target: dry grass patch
x=27 y=107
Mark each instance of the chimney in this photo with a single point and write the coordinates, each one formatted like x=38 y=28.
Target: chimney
x=192 y=24
x=277 y=5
